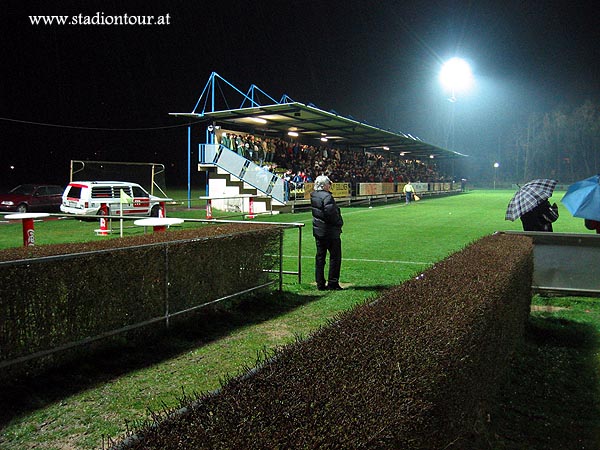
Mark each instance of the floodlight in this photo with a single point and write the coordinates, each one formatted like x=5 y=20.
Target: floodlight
x=456 y=76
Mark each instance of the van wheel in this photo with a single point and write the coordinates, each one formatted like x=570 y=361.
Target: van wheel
x=155 y=210
x=22 y=208
x=101 y=212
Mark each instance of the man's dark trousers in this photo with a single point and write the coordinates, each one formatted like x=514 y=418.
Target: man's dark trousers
x=334 y=246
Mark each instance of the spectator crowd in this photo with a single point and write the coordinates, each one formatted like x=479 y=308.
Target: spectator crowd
x=302 y=163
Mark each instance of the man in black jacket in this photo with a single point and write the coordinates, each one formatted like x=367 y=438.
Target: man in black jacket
x=327 y=228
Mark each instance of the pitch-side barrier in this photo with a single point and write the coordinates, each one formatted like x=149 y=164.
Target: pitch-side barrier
x=170 y=309
x=565 y=263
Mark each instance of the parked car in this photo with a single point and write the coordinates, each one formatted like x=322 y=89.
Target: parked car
x=32 y=197
x=95 y=198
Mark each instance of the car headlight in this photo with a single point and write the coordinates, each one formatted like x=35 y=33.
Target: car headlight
x=7 y=203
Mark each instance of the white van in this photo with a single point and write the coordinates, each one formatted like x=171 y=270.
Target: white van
x=96 y=198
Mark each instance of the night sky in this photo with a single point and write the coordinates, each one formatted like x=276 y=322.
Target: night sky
x=102 y=92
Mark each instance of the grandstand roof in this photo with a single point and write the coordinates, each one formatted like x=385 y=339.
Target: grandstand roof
x=312 y=123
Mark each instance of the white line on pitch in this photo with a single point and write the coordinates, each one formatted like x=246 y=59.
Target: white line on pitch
x=367 y=260
x=348 y=211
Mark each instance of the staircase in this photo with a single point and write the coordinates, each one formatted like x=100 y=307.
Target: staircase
x=236 y=176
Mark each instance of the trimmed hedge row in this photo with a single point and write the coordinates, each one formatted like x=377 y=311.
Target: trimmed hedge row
x=415 y=369
x=53 y=298
x=209 y=230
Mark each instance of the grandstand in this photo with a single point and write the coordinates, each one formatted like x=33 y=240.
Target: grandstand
x=276 y=148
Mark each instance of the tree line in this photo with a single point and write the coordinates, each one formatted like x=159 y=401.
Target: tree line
x=562 y=144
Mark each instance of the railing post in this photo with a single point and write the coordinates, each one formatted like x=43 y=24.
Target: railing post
x=299 y=255
x=166 y=269
x=281 y=231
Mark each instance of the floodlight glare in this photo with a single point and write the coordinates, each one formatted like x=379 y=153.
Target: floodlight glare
x=456 y=76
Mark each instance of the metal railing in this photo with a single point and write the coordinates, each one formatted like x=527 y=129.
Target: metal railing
x=66 y=301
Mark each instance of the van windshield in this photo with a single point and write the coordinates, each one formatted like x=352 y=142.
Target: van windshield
x=139 y=192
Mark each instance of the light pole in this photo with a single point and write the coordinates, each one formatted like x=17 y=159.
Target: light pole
x=496 y=165
x=456 y=77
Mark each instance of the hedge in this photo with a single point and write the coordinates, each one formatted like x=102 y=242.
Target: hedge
x=416 y=369
x=55 y=298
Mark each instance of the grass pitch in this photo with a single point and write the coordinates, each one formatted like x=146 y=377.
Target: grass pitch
x=552 y=400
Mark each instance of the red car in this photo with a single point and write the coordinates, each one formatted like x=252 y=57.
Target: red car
x=32 y=197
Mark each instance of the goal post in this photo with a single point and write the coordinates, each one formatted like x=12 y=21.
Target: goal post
x=150 y=176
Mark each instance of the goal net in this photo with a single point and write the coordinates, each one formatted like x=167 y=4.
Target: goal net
x=151 y=176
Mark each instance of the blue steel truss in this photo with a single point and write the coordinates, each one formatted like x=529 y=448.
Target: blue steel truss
x=261 y=179
x=210 y=99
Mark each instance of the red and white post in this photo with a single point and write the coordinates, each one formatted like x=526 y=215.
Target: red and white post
x=209 y=209
x=103 y=223
x=250 y=208
x=28 y=233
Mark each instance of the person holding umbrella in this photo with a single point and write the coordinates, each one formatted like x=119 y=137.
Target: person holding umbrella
x=530 y=204
x=540 y=218
x=582 y=199
x=592 y=225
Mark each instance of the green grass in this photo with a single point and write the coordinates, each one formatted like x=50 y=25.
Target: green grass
x=552 y=398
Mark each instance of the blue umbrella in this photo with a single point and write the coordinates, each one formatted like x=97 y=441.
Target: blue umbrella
x=583 y=198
